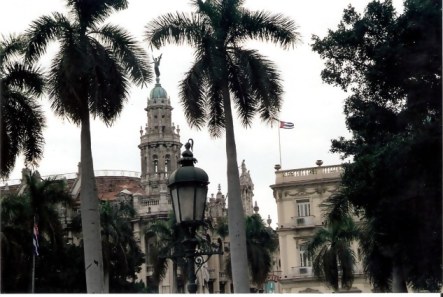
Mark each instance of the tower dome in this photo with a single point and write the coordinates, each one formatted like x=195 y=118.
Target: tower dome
x=158 y=92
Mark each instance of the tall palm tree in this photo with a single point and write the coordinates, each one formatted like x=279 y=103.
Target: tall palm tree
x=223 y=69
x=21 y=118
x=332 y=252
x=89 y=75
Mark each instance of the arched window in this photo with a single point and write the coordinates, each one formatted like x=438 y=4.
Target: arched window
x=167 y=163
x=155 y=163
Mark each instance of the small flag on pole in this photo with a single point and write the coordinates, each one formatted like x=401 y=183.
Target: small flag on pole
x=286 y=125
x=35 y=239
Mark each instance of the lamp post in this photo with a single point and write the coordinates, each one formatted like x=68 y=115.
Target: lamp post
x=188 y=186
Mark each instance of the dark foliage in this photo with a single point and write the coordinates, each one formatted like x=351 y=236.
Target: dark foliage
x=392 y=67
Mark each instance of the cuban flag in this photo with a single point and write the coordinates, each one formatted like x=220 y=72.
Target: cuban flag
x=35 y=239
x=286 y=125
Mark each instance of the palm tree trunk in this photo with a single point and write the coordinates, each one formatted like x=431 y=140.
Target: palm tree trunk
x=174 y=277
x=90 y=214
x=398 y=280
x=106 y=264
x=236 y=217
x=106 y=282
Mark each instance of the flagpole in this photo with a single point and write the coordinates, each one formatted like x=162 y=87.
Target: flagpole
x=33 y=274
x=279 y=144
x=33 y=260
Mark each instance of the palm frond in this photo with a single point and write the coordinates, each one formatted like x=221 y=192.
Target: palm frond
x=22 y=127
x=10 y=46
x=90 y=12
x=44 y=30
x=215 y=110
x=321 y=239
x=240 y=86
x=265 y=26
x=66 y=91
x=338 y=207
x=176 y=28
x=127 y=51
x=265 y=82
x=192 y=90
x=108 y=88
x=25 y=78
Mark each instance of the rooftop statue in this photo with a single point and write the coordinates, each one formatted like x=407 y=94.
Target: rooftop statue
x=156 y=65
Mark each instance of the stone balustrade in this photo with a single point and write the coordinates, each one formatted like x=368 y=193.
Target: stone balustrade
x=306 y=174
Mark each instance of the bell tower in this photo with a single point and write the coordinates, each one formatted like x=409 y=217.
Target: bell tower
x=159 y=141
x=247 y=190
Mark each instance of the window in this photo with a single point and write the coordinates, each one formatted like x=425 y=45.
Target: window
x=305 y=260
x=303 y=208
x=167 y=163
x=155 y=163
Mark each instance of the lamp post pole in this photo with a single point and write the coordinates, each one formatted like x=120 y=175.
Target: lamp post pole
x=190 y=243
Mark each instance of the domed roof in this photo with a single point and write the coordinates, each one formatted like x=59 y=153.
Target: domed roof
x=158 y=92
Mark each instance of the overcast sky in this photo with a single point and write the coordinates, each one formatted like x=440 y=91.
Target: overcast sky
x=315 y=108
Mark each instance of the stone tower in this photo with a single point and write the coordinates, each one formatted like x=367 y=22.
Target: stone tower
x=159 y=144
x=247 y=190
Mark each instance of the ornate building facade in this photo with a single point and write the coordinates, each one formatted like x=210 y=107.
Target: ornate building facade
x=299 y=194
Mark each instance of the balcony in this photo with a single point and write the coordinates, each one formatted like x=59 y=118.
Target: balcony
x=300 y=272
x=223 y=277
x=304 y=222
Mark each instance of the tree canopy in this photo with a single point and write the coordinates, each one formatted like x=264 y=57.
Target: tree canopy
x=391 y=66
x=22 y=121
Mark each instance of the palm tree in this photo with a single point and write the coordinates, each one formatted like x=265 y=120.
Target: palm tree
x=168 y=245
x=40 y=199
x=45 y=195
x=16 y=234
x=224 y=68
x=261 y=243
x=89 y=75
x=332 y=252
x=21 y=120
x=122 y=255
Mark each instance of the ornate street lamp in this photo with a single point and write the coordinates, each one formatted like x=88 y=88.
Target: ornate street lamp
x=188 y=186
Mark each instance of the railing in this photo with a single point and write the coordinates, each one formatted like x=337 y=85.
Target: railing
x=308 y=272
x=301 y=272
x=73 y=175
x=108 y=172
x=150 y=202
x=223 y=276
x=308 y=173
x=301 y=222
